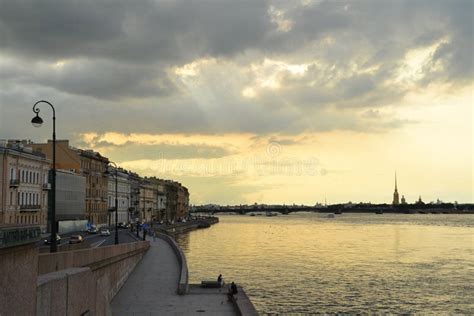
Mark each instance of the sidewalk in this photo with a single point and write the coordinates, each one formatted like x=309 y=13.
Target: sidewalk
x=151 y=289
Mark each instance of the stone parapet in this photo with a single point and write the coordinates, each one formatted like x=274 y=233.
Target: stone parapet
x=183 y=277
x=84 y=282
x=18 y=261
x=89 y=257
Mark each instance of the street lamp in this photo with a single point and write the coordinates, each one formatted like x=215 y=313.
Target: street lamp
x=37 y=121
x=116 y=202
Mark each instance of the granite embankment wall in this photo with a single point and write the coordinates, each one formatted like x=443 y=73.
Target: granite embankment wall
x=84 y=281
x=178 y=228
x=17 y=279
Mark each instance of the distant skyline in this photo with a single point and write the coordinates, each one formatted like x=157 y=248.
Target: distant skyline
x=253 y=101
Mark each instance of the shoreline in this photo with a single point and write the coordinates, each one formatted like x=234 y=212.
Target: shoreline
x=342 y=211
x=241 y=301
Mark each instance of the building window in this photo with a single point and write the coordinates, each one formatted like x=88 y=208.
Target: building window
x=11 y=198
x=12 y=174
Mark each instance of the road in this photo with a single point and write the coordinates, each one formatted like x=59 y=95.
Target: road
x=95 y=240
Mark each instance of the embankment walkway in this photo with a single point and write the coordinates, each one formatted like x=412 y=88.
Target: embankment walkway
x=151 y=289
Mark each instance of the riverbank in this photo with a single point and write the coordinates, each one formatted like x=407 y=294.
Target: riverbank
x=197 y=222
x=159 y=286
x=309 y=263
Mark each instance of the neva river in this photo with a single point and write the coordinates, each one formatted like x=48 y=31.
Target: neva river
x=353 y=263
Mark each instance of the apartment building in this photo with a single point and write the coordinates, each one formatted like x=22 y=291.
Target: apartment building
x=147 y=203
x=23 y=184
x=89 y=164
x=123 y=195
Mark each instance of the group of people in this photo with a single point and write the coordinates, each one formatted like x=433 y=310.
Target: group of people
x=232 y=288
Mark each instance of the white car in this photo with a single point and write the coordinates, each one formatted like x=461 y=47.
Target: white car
x=104 y=232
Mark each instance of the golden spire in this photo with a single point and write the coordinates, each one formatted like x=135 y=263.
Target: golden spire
x=395 y=181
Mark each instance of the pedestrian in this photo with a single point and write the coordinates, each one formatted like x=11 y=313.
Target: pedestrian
x=233 y=288
x=219 y=279
x=232 y=291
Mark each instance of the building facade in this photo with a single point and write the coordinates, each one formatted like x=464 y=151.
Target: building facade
x=182 y=208
x=159 y=195
x=23 y=184
x=70 y=196
x=89 y=164
x=134 y=210
x=123 y=196
x=147 y=201
x=171 y=200
x=93 y=167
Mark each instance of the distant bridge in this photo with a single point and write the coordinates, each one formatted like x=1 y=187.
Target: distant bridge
x=331 y=209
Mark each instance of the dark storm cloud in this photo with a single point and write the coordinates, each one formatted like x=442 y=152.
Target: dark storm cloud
x=134 y=31
x=102 y=79
x=115 y=61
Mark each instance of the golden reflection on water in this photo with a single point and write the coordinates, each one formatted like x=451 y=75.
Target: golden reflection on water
x=352 y=263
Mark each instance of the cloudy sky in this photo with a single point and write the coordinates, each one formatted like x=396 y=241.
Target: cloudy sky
x=253 y=101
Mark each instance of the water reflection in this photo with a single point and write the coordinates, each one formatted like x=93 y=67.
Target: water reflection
x=183 y=241
x=353 y=263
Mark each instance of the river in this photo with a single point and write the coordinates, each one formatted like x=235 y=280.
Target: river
x=353 y=263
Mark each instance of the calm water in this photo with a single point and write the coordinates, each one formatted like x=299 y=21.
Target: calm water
x=308 y=263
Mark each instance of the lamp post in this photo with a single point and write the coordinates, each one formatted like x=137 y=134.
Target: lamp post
x=37 y=121
x=116 y=202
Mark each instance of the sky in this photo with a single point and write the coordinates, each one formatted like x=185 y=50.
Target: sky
x=253 y=101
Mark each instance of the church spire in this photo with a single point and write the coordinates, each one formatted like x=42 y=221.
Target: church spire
x=396 y=199
x=396 y=181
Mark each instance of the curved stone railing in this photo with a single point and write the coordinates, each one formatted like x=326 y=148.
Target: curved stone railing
x=89 y=257
x=183 y=276
x=85 y=281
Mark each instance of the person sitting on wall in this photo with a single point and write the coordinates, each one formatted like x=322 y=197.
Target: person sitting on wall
x=232 y=291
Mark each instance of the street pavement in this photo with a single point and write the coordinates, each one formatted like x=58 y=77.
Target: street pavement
x=94 y=240
x=151 y=289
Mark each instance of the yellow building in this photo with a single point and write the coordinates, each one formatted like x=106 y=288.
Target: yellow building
x=23 y=185
x=147 y=204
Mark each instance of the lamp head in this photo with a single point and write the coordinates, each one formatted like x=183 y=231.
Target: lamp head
x=37 y=121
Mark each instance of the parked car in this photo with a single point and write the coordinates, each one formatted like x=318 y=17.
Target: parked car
x=48 y=240
x=122 y=225
x=104 y=232
x=92 y=230
x=76 y=239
